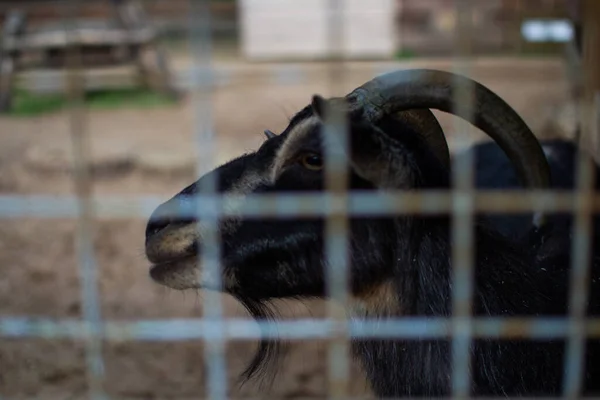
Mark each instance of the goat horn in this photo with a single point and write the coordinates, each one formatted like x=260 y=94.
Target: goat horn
x=269 y=134
x=422 y=88
x=421 y=120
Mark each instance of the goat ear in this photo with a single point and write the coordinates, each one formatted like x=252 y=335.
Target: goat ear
x=374 y=156
x=379 y=160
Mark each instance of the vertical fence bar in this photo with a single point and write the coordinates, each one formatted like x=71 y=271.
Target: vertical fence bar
x=209 y=263
x=579 y=274
x=462 y=226
x=581 y=249
x=336 y=227
x=83 y=188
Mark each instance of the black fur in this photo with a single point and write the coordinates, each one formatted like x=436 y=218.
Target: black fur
x=283 y=258
x=493 y=170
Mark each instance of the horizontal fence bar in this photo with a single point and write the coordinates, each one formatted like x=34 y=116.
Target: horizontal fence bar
x=296 y=205
x=300 y=398
x=297 y=329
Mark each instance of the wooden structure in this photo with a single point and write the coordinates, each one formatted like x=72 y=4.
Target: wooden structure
x=590 y=62
x=591 y=48
x=427 y=27
x=124 y=39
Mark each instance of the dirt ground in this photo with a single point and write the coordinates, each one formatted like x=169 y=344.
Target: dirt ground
x=38 y=257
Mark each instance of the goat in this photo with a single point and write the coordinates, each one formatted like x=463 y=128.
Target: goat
x=399 y=265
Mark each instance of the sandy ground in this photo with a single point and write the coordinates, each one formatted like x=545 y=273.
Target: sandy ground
x=38 y=258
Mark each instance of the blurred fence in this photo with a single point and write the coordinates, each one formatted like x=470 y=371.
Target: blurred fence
x=336 y=205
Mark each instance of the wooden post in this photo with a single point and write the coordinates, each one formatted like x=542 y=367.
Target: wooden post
x=591 y=71
x=591 y=47
x=13 y=27
x=151 y=62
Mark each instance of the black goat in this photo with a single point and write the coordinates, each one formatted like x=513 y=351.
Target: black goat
x=400 y=265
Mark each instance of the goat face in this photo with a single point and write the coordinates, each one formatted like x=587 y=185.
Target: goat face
x=265 y=258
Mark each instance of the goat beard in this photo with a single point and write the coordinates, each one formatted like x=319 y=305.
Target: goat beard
x=268 y=355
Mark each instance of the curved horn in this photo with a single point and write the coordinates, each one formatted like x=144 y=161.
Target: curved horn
x=423 y=88
x=421 y=120
x=424 y=122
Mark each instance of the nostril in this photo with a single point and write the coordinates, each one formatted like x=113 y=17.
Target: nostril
x=163 y=216
x=156 y=225
x=158 y=222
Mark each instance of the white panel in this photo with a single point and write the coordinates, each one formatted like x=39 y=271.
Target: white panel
x=369 y=32
x=298 y=29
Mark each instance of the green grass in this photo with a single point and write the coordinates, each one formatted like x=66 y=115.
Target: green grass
x=139 y=98
x=26 y=104
x=405 y=54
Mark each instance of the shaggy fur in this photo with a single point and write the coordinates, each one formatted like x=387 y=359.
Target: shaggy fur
x=272 y=258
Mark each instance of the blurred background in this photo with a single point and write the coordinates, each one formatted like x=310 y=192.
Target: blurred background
x=266 y=59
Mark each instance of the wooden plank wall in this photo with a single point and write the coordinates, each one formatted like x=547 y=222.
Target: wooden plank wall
x=176 y=11
x=427 y=26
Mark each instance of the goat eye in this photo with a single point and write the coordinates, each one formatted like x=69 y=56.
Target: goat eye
x=312 y=162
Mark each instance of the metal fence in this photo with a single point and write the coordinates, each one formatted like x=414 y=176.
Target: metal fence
x=336 y=205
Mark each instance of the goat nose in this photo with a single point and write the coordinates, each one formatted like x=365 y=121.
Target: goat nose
x=165 y=215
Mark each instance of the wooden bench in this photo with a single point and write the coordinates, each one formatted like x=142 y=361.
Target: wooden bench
x=125 y=39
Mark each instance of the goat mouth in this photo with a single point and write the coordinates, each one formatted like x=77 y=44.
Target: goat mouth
x=184 y=273
x=180 y=274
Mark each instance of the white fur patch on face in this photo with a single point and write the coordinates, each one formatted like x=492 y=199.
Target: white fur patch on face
x=249 y=181
x=175 y=241
x=289 y=148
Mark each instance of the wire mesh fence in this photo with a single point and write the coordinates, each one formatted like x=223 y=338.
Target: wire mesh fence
x=336 y=204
